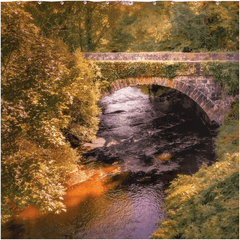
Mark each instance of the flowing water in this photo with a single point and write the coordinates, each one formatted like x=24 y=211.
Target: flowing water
x=125 y=200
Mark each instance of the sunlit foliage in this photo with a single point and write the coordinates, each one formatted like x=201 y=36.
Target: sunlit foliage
x=141 y=27
x=191 y=27
x=44 y=90
x=204 y=205
x=85 y=94
x=204 y=26
x=89 y=27
x=34 y=80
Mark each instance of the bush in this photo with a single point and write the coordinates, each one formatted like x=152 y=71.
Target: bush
x=204 y=205
x=41 y=95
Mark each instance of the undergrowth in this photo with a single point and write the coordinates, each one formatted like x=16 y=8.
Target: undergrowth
x=228 y=138
x=206 y=204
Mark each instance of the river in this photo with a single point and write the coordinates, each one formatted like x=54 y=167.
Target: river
x=147 y=143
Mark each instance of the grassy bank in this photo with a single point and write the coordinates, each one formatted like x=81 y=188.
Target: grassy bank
x=205 y=205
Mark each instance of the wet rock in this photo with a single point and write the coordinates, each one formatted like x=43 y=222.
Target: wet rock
x=123 y=177
x=74 y=141
x=107 y=157
x=112 y=143
x=164 y=157
x=99 y=142
x=146 y=180
x=119 y=111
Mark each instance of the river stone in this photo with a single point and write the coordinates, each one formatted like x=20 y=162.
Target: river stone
x=99 y=142
x=112 y=143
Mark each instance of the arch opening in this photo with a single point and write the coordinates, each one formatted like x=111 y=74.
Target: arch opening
x=207 y=109
x=178 y=101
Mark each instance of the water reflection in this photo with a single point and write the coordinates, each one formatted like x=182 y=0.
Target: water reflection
x=134 y=211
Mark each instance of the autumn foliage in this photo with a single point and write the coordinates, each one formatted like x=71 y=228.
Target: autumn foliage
x=44 y=91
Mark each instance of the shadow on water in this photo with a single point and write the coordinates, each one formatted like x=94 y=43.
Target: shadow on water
x=146 y=145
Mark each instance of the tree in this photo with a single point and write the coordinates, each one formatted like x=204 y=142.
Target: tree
x=203 y=27
x=150 y=26
x=39 y=85
x=32 y=93
x=85 y=26
x=98 y=27
x=85 y=94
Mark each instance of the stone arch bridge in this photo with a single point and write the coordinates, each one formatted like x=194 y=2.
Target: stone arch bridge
x=203 y=90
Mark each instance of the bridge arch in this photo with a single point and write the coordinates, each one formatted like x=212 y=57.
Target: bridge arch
x=203 y=90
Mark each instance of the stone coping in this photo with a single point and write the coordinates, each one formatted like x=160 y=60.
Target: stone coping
x=163 y=56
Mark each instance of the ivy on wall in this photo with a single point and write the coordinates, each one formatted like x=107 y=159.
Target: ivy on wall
x=111 y=71
x=225 y=73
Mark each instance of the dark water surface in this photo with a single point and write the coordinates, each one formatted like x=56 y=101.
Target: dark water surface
x=128 y=203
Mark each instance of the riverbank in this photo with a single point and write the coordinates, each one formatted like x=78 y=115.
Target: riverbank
x=83 y=185
x=206 y=204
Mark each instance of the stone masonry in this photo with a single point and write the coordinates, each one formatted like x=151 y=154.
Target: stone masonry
x=203 y=90
x=163 y=56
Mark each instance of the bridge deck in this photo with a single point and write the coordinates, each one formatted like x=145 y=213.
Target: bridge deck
x=164 y=56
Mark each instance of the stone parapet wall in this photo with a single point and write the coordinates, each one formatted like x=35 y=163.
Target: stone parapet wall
x=163 y=56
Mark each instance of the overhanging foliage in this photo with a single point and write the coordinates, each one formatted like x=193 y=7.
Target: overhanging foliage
x=41 y=95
